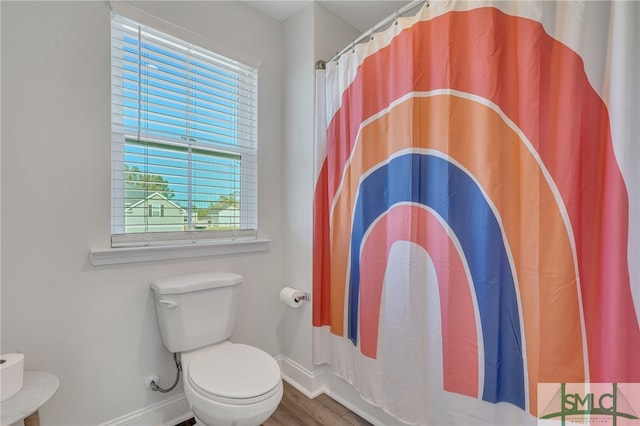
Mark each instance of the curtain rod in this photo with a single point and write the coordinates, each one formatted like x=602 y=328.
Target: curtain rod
x=398 y=13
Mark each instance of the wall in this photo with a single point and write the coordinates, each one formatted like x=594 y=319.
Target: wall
x=295 y=327
x=95 y=327
x=311 y=34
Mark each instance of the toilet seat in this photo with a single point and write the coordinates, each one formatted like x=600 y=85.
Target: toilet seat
x=234 y=374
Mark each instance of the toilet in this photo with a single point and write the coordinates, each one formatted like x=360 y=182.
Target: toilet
x=225 y=383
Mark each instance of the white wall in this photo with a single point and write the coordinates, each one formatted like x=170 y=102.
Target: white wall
x=295 y=328
x=331 y=33
x=311 y=34
x=95 y=327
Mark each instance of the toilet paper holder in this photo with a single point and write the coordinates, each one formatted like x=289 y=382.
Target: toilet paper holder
x=294 y=297
x=306 y=297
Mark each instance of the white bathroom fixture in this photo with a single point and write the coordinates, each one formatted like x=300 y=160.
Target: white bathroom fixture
x=225 y=383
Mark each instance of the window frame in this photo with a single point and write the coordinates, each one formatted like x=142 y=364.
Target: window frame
x=248 y=178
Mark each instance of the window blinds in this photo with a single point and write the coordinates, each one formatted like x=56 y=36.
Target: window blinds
x=184 y=154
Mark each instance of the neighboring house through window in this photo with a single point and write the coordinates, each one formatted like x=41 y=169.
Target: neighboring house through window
x=184 y=149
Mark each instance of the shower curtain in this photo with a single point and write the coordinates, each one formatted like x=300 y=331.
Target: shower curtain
x=477 y=208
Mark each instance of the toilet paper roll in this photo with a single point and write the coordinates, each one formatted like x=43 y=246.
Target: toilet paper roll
x=11 y=375
x=292 y=297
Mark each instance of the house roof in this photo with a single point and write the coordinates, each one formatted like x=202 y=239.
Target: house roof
x=155 y=196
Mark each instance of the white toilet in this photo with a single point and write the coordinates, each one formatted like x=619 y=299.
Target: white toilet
x=225 y=383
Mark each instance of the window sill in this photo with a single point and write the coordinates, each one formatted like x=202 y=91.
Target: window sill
x=114 y=256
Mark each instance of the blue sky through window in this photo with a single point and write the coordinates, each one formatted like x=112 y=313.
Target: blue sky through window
x=190 y=104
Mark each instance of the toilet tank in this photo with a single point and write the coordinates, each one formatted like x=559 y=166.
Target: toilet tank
x=196 y=310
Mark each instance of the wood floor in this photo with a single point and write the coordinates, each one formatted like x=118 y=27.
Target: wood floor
x=295 y=409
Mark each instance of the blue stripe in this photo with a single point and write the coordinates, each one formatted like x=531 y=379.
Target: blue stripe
x=449 y=191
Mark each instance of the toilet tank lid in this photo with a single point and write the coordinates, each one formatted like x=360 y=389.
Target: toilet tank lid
x=194 y=282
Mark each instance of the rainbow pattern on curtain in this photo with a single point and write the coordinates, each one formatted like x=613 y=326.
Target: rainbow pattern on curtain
x=477 y=138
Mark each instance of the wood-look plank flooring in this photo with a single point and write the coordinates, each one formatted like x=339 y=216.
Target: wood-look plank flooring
x=295 y=409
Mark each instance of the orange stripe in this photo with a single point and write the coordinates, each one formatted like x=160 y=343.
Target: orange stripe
x=476 y=137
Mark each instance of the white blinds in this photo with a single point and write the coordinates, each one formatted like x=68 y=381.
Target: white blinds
x=184 y=152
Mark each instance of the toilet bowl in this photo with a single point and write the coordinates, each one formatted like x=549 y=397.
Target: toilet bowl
x=226 y=384
x=231 y=384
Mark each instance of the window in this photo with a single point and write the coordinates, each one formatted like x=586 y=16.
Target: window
x=184 y=152
x=156 y=210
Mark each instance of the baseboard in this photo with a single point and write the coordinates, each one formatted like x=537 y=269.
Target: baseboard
x=175 y=410
x=310 y=383
x=322 y=380
x=169 y=412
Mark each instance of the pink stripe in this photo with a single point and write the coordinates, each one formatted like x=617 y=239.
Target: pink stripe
x=459 y=338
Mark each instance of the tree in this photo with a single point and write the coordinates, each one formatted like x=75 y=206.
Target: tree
x=223 y=202
x=203 y=213
x=144 y=184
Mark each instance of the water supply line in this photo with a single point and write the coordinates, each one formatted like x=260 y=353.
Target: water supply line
x=155 y=387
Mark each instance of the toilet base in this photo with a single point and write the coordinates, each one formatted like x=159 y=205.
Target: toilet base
x=213 y=413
